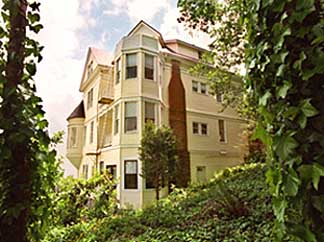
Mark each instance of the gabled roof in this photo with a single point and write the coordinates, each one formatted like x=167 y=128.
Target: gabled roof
x=101 y=57
x=143 y=23
x=78 y=112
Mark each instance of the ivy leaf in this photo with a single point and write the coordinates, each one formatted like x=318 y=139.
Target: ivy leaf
x=308 y=109
x=279 y=207
x=291 y=183
x=302 y=120
x=306 y=172
x=282 y=91
x=261 y=133
x=263 y=100
x=318 y=172
x=284 y=145
x=31 y=68
x=318 y=203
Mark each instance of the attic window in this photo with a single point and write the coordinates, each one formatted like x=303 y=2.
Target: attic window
x=90 y=69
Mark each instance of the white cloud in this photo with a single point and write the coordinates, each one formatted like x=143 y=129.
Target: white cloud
x=171 y=29
x=137 y=10
x=59 y=73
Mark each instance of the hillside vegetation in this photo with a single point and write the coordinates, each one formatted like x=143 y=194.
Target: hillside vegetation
x=235 y=206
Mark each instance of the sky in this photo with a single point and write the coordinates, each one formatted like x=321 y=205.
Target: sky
x=71 y=26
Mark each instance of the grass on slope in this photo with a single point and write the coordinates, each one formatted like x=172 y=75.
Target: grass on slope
x=235 y=206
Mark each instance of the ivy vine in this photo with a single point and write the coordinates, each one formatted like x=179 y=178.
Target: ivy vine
x=28 y=164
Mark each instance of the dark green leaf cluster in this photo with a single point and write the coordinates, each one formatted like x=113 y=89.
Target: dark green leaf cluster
x=28 y=162
x=285 y=61
x=239 y=211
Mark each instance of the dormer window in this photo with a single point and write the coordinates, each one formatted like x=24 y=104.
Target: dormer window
x=149 y=67
x=131 y=66
x=89 y=69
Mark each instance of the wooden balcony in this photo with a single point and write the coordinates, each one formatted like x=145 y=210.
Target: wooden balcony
x=106 y=92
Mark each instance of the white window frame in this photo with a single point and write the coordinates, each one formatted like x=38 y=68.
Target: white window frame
x=123 y=174
x=116 y=119
x=154 y=68
x=200 y=128
x=91 y=138
x=136 y=113
x=126 y=72
x=199 y=87
x=118 y=71
x=74 y=137
x=155 y=111
x=90 y=99
x=225 y=132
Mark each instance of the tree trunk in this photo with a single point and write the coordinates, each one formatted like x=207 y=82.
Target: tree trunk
x=17 y=200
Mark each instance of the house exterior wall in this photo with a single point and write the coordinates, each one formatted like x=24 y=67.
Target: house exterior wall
x=204 y=154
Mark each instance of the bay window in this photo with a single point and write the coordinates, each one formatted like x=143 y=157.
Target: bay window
x=131 y=66
x=149 y=67
x=130 y=174
x=130 y=116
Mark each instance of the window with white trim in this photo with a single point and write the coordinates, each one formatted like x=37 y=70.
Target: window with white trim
x=73 y=141
x=130 y=116
x=91 y=131
x=89 y=69
x=149 y=112
x=195 y=86
x=84 y=135
x=130 y=174
x=149 y=67
x=90 y=98
x=199 y=128
x=131 y=66
x=116 y=117
x=85 y=170
x=221 y=130
x=199 y=87
x=118 y=71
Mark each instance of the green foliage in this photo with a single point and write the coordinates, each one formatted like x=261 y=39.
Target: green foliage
x=283 y=43
x=284 y=55
x=158 y=154
x=28 y=162
x=78 y=200
x=238 y=211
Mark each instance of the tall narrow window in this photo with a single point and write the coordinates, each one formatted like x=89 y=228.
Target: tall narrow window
x=221 y=128
x=91 y=132
x=149 y=67
x=101 y=167
x=73 y=137
x=89 y=69
x=85 y=171
x=130 y=178
x=116 y=122
x=130 y=116
x=149 y=112
x=194 y=86
x=203 y=129
x=118 y=71
x=85 y=135
x=90 y=98
x=131 y=66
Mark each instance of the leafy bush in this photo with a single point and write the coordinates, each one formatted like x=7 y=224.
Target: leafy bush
x=80 y=200
x=234 y=206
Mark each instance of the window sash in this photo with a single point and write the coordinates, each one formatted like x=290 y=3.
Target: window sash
x=195 y=86
x=73 y=137
x=221 y=127
x=149 y=112
x=91 y=132
x=203 y=129
x=149 y=67
x=118 y=69
x=195 y=128
x=131 y=66
x=130 y=124
x=130 y=174
x=203 y=88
